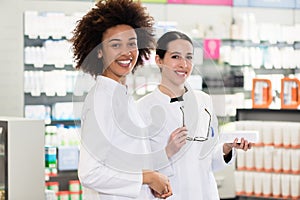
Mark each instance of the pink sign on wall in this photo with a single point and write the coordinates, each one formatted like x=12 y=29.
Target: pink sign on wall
x=176 y=1
x=204 y=2
x=212 y=48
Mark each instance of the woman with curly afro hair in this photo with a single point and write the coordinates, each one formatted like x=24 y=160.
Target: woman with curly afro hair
x=110 y=42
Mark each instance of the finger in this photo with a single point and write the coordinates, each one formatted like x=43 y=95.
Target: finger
x=250 y=145
x=183 y=135
x=246 y=145
x=180 y=129
x=242 y=145
x=183 y=139
x=165 y=190
x=236 y=140
x=243 y=140
x=156 y=194
x=164 y=196
x=167 y=194
x=184 y=128
x=182 y=142
x=178 y=133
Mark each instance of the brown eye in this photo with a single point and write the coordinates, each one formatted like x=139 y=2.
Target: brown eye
x=175 y=57
x=189 y=57
x=116 y=45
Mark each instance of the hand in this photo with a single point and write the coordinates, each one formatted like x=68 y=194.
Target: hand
x=244 y=145
x=176 y=141
x=157 y=195
x=158 y=183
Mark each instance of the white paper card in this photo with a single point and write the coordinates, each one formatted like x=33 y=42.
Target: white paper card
x=229 y=137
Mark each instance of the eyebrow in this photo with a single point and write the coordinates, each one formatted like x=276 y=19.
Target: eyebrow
x=176 y=52
x=118 y=40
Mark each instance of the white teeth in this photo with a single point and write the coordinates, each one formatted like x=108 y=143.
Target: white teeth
x=124 y=62
x=180 y=73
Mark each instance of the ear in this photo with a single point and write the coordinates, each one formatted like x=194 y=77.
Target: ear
x=100 y=53
x=158 y=61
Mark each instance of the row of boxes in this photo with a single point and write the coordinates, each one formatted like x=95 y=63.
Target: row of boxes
x=278 y=134
x=267 y=184
x=269 y=159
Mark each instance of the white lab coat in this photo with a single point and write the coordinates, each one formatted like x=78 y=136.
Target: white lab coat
x=104 y=171
x=191 y=169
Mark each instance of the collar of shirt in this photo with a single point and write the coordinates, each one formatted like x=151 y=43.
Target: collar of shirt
x=166 y=99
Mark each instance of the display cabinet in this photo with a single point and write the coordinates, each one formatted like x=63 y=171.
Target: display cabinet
x=21 y=159
x=271 y=169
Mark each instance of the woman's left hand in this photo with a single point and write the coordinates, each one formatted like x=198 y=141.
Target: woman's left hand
x=244 y=145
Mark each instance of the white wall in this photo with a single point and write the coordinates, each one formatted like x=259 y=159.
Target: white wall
x=268 y=15
x=11 y=58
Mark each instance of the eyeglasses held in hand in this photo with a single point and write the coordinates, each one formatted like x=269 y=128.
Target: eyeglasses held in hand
x=197 y=138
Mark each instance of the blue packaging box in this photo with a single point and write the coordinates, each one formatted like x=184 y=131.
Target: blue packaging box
x=67 y=158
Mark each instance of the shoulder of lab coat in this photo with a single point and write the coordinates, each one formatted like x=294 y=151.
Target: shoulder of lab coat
x=203 y=97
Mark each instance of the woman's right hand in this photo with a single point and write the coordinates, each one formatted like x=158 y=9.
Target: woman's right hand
x=176 y=140
x=158 y=183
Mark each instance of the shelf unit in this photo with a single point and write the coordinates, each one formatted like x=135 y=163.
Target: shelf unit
x=287 y=115
x=42 y=59
x=272 y=116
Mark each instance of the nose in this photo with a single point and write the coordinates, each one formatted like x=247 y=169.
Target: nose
x=126 y=52
x=183 y=62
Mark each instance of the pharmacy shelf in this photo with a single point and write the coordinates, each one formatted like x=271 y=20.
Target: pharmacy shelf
x=244 y=197
x=224 y=90
x=277 y=71
x=63 y=177
x=65 y=122
x=43 y=99
x=39 y=41
x=268 y=115
x=249 y=43
x=48 y=67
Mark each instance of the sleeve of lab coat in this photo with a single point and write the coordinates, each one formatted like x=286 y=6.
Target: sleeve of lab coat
x=94 y=175
x=165 y=167
x=218 y=162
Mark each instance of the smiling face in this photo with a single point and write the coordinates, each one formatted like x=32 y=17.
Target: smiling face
x=176 y=66
x=119 y=51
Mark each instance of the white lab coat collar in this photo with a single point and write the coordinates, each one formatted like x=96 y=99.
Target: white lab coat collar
x=109 y=84
x=165 y=98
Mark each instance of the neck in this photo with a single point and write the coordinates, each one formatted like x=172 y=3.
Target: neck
x=171 y=90
x=109 y=74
